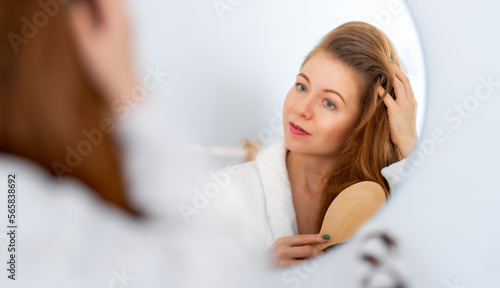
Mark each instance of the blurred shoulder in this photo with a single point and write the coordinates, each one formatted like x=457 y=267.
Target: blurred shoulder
x=239 y=176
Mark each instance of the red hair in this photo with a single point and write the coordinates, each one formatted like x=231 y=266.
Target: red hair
x=368 y=148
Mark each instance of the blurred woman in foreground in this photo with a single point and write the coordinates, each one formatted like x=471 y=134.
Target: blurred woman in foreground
x=64 y=70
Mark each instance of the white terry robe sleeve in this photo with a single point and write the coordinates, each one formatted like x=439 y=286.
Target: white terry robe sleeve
x=394 y=173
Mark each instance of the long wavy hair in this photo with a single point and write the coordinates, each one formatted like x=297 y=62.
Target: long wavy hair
x=368 y=147
x=46 y=101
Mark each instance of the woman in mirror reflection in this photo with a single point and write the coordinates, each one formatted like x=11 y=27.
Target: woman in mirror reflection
x=349 y=117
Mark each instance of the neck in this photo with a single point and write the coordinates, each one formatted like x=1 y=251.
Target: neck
x=308 y=171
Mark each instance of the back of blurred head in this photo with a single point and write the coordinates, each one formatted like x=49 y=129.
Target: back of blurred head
x=47 y=102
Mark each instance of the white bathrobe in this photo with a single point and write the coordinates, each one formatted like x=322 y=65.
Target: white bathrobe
x=261 y=191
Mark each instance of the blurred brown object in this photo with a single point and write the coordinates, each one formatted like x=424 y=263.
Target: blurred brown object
x=252 y=146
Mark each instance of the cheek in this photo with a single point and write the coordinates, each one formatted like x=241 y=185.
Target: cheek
x=335 y=128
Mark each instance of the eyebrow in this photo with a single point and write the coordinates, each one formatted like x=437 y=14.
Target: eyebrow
x=326 y=90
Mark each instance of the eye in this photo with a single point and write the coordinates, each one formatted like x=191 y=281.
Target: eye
x=301 y=87
x=329 y=104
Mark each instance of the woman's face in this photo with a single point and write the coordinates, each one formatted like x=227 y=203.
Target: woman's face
x=321 y=107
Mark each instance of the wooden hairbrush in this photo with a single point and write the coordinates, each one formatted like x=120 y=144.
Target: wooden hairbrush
x=349 y=210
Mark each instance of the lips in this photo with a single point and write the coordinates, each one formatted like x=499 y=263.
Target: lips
x=297 y=130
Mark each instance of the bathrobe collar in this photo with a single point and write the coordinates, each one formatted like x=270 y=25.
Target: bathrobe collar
x=271 y=164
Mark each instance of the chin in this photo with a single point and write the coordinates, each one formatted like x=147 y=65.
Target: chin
x=298 y=145
x=304 y=147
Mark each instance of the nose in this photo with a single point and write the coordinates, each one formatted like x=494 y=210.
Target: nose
x=304 y=108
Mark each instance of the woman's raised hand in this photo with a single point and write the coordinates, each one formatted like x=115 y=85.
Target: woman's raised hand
x=402 y=113
x=292 y=250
